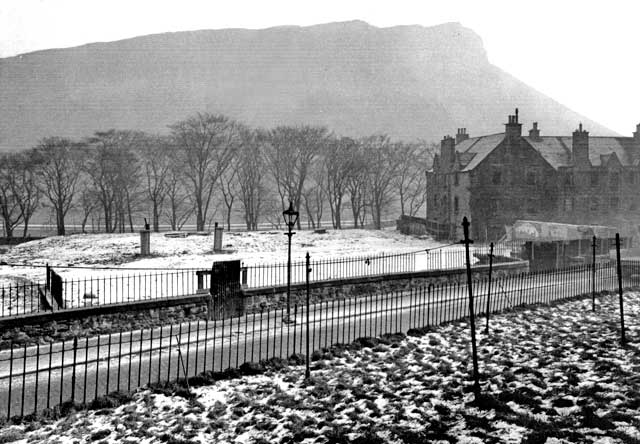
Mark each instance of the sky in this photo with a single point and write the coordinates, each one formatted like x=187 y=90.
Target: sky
x=584 y=54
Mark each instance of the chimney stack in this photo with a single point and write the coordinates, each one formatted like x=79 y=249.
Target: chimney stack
x=447 y=150
x=461 y=135
x=513 y=129
x=636 y=134
x=580 y=147
x=534 y=132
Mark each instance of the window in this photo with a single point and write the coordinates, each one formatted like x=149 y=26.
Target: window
x=594 y=205
x=531 y=176
x=456 y=179
x=631 y=177
x=455 y=204
x=496 y=178
x=568 y=204
x=594 y=178
x=614 y=181
x=568 y=180
x=532 y=207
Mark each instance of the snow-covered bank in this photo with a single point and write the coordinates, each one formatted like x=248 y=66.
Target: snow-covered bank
x=121 y=250
x=551 y=375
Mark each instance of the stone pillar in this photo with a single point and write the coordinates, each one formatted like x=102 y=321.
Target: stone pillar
x=145 y=242
x=217 y=238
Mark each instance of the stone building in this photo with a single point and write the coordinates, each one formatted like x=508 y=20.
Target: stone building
x=497 y=179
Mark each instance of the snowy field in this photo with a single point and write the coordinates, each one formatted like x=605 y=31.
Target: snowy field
x=549 y=375
x=107 y=268
x=122 y=250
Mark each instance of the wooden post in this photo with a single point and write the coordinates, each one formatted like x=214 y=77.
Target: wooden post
x=466 y=241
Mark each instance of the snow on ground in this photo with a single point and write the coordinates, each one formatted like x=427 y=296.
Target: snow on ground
x=549 y=375
x=122 y=250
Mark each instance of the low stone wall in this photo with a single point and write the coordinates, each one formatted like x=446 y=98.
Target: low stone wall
x=41 y=328
x=257 y=299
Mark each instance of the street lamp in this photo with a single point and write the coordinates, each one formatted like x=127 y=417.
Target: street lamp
x=290 y=218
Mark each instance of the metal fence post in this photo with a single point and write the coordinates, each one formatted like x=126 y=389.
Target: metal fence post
x=486 y=330
x=73 y=373
x=622 y=336
x=307 y=372
x=466 y=241
x=593 y=275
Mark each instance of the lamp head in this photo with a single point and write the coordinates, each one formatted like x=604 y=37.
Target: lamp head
x=290 y=215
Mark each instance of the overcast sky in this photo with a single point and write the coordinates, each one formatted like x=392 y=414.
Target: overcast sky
x=584 y=54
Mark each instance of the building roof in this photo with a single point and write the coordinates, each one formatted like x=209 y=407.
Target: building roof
x=556 y=150
x=474 y=150
x=538 y=231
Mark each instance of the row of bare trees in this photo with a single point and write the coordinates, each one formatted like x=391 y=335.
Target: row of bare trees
x=210 y=161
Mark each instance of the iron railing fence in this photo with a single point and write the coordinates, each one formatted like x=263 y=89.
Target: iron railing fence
x=106 y=286
x=440 y=258
x=35 y=378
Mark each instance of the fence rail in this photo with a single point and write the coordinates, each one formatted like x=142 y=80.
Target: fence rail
x=41 y=377
x=115 y=286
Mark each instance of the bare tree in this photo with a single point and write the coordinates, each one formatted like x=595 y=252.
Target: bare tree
x=292 y=150
x=178 y=209
x=250 y=176
x=229 y=189
x=113 y=168
x=19 y=191
x=314 y=195
x=154 y=153
x=59 y=162
x=89 y=202
x=339 y=158
x=357 y=185
x=206 y=144
x=410 y=181
x=9 y=207
x=382 y=168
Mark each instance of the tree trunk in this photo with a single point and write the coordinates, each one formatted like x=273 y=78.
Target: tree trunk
x=8 y=230
x=60 y=222
x=156 y=218
x=200 y=222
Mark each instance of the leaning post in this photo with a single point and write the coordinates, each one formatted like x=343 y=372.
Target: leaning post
x=466 y=241
x=486 y=330
x=307 y=372
x=622 y=337
x=593 y=275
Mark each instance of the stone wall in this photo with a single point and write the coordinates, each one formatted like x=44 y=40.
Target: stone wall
x=83 y=322
x=276 y=297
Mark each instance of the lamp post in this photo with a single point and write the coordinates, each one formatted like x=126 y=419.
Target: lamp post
x=290 y=218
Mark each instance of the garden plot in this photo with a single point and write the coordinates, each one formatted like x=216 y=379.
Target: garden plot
x=549 y=375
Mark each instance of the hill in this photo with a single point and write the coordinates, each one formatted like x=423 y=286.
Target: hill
x=408 y=81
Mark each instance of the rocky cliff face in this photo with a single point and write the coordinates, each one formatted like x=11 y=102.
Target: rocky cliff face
x=408 y=81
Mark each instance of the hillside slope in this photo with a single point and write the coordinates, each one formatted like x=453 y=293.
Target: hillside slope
x=408 y=81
